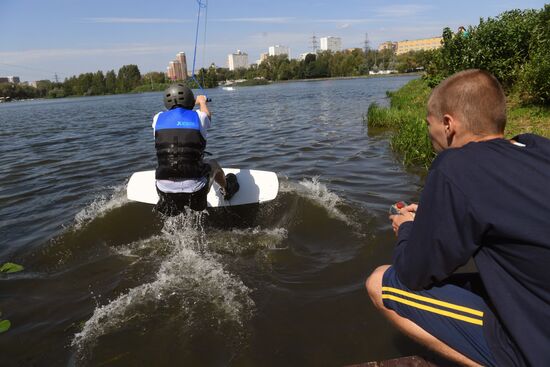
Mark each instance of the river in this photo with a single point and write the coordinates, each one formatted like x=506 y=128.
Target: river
x=110 y=282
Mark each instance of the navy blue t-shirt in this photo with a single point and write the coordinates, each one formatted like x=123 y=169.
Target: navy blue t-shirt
x=490 y=201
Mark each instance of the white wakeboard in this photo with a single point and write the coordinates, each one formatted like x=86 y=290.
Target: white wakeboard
x=254 y=187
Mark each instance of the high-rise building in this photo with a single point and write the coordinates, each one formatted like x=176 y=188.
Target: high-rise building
x=170 y=73
x=177 y=69
x=237 y=60
x=183 y=64
x=333 y=44
x=279 y=50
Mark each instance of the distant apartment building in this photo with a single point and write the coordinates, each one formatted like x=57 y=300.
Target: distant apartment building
x=279 y=50
x=183 y=64
x=10 y=79
x=237 y=60
x=333 y=44
x=388 y=45
x=177 y=69
x=419 y=44
x=169 y=73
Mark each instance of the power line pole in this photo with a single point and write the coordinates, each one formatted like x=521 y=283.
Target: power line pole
x=314 y=44
x=56 y=78
x=366 y=46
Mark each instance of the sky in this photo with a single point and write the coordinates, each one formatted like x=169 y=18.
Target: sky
x=42 y=38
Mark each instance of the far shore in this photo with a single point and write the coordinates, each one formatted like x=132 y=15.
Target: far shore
x=346 y=77
x=236 y=85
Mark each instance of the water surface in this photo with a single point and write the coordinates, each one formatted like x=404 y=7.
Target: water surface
x=110 y=282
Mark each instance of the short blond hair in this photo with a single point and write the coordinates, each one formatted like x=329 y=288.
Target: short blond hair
x=475 y=97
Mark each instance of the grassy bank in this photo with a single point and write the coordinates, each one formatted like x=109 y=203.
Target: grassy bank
x=406 y=117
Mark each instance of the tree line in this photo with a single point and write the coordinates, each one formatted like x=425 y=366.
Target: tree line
x=126 y=80
x=275 y=68
x=327 y=64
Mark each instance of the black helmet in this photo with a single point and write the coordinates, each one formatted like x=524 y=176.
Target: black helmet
x=178 y=95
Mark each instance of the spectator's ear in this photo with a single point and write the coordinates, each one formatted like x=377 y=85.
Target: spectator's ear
x=450 y=125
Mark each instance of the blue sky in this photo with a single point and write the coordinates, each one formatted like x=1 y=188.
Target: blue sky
x=39 y=38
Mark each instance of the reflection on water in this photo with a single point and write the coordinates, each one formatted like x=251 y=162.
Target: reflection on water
x=108 y=281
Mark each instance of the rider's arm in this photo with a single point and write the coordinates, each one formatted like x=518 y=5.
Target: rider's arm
x=201 y=102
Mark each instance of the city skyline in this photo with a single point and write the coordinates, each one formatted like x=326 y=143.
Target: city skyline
x=69 y=37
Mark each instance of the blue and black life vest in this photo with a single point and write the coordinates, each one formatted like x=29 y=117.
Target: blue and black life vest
x=179 y=144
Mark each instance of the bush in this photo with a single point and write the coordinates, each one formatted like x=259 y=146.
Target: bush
x=515 y=47
x=535 y=81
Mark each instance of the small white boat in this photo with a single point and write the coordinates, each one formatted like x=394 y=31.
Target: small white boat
x=228 y=88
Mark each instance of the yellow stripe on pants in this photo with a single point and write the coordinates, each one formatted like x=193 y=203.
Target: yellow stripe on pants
x=433 y=309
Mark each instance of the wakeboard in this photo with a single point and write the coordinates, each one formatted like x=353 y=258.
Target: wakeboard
x=254 y=187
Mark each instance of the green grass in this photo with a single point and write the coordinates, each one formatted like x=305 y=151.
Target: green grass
x=385 y=117
x=406 y=119
x=527 y=119
x=413 y=144
x=413 y=96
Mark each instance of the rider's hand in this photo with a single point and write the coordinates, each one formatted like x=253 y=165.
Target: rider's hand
x=200 y=100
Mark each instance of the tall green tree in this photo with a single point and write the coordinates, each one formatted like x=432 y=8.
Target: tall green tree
x=154 y=77
x=98 y=83
x=110 y=82
x=84 y=84
x=128 y=78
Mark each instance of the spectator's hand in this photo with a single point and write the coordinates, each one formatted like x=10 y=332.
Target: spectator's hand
x=406 y=215
x=200 y=100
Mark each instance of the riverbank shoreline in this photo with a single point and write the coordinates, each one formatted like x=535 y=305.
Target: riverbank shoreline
x=406 y=115
x=345 y=78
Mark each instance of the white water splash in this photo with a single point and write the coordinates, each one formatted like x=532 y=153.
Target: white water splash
x=319 y=193
x=101 y=206
x=150 y=247
x=187 y=274
x=239 y=241
x=274 y=235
